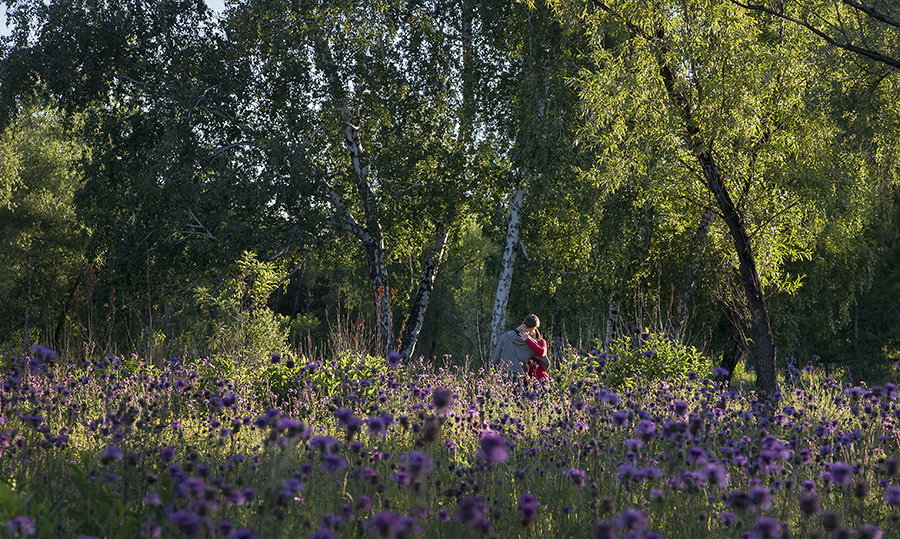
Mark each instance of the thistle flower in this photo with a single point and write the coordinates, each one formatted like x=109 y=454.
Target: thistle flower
x=187 y=522
x=576 y=476
x=333 y=463
x=767 y=527
x=632 y=519
x=418 y=464
x=110 y=454
x=493 y=448
x=20 y=526
x=389 y=525
x=527 y=507
x=809 y=504
x=167 y=453
x=393 y=359
x=441 y=398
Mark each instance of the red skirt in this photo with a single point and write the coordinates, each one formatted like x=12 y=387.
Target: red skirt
x=536 y=371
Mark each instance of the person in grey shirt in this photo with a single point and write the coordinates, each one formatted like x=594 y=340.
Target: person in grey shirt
x=513 y=352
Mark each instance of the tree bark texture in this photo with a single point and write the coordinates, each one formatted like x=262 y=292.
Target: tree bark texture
x=413 y=325
x=507 y=265
x=760 y=327
x=372 y=235
x=612 y=322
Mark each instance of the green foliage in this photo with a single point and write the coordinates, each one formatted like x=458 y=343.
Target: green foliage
x=636 y=362
x=242 y=330
x=169 y=152
x=42 y=242
x=281 y=380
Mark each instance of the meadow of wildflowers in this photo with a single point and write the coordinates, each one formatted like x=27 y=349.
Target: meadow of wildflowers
x=375 y=447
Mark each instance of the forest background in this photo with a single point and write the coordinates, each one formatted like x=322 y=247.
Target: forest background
x=323 y=177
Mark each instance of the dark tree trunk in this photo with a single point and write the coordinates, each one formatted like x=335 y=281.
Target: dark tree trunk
x=413 y=324
x=730 y=357
x=760 y=328
x=26 y=338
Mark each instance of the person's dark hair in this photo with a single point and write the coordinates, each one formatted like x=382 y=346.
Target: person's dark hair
x=537 y=334
x=531 y=321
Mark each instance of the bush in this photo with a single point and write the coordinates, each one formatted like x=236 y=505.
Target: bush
x=238 y=324
x=634 y=362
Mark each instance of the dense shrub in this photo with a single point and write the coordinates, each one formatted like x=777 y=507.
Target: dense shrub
x=638 y=361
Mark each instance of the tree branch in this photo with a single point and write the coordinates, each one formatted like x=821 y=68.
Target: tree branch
x=873 y=55
x=871 y=12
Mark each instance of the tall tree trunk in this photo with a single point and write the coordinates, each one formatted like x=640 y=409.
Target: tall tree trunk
x=731 y=356
x=644 y=223
x=371 y=235
x=760 y=328
x=381 y=295
x=413 y=324
x=507 y=265
x=612 y=321
x=560 y=339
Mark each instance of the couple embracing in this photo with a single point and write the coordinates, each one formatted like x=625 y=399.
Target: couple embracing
x=523 y=351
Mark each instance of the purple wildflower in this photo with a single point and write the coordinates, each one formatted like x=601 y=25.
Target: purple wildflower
x=418 y=464
x=110 y=453
x=716 y=475
x=363 y=503
x=842 y=473
x=441 y=397
x=401 y=478
x=632 y=519
x=809 y=504
x=188 y=523
x=768 y=527
x=728 y=519
x=389 y=525
x=527 y=507
x=576 y=476
x=20 y=526
x=151 y=529
x=167 y=453
x=892 y=495
x=646 y=429
x=393 y=358
x=376 y=426
x=325 y=444
x=493 y=448
x=333 y=463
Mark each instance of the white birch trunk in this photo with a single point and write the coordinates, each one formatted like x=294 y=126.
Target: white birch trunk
x=372 y=234
x=507 y=265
